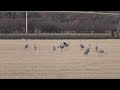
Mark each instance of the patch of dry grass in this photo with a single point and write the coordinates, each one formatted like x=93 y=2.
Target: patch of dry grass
x=44 y=63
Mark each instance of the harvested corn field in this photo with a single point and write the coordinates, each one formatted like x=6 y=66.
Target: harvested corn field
x=70 y=63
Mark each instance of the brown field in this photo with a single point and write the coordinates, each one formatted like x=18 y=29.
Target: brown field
x=69 y=64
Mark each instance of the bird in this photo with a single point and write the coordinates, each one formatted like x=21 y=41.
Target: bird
x=54 y=48
x=61 y=47
x=87 y=50
x=66 y=45
x=101 y=52
x=35 y=47
x=26 y=46
x=81 y=46
x=96 y=47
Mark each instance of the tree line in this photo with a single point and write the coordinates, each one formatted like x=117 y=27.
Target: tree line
x=57 y=22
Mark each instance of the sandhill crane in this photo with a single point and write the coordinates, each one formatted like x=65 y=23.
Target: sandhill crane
x=26 y=46
x=101 y=52
x=66 y=45
x=96 y=47
x=35 y=47
x=54 y=48
x=81 y=46
x=87 y=50
x=61 y=47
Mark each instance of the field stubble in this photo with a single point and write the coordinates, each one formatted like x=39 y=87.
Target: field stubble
x=44 y=63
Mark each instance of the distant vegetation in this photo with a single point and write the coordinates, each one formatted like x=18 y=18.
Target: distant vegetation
x=58 y=36
x=12 y=22
x=48 y=22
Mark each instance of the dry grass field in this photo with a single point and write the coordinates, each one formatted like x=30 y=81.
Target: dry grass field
x=44 y=63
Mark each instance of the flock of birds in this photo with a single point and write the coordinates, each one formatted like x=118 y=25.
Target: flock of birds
x=65 y=45
x=27 y=46
x=82 y=47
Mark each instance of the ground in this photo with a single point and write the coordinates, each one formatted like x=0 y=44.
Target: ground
x=44 y=63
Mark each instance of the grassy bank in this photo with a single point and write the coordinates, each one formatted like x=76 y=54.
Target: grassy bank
x=58 y=36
